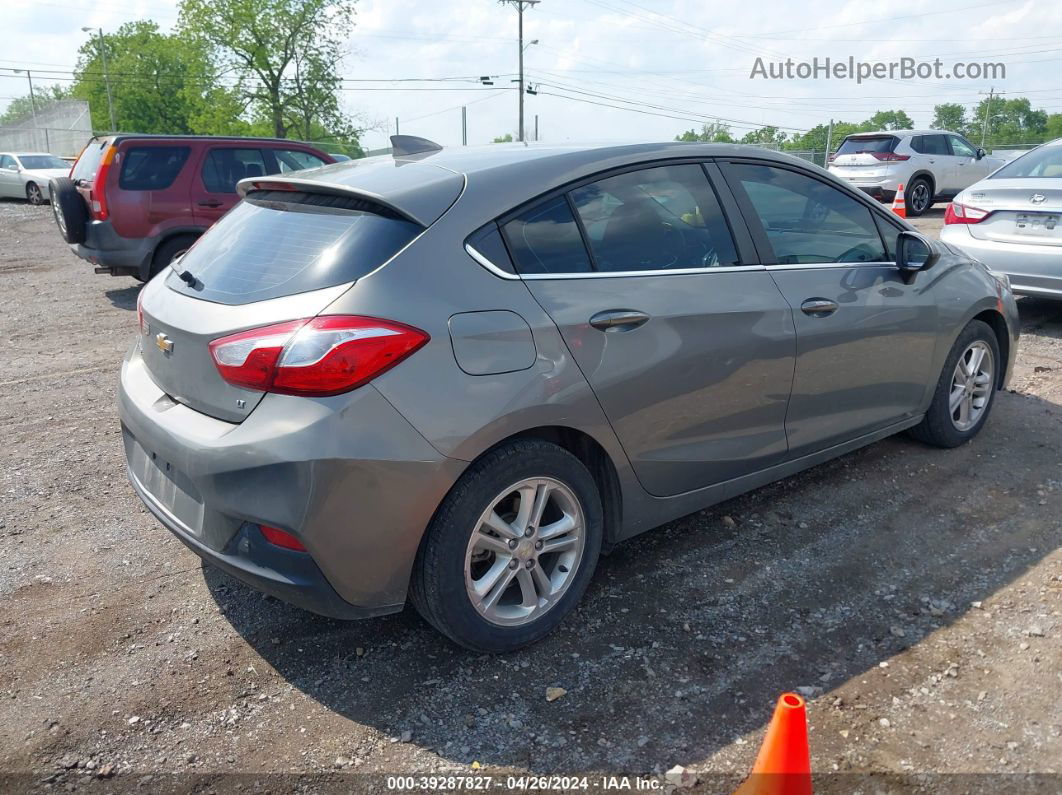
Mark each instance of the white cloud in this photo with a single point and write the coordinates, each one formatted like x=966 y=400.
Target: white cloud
x=690 y=59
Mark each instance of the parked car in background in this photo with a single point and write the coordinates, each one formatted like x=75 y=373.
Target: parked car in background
x=461 y=377
x=134 y=203
x=25 y=175
x=932 y=165
x=1012 y=221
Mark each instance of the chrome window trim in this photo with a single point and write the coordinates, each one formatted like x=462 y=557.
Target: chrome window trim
x=625 y=274
x=785 y=266
x=490 y=266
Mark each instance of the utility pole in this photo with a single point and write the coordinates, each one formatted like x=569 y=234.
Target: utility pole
x=396 y=126
x=464 y=126
x=106 y=76
x=536 y=128
x=829 y=141
x=988 y=111
x=519 y=5
x=33 y=108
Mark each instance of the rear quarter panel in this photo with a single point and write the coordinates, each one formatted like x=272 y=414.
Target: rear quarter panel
x=151 y=213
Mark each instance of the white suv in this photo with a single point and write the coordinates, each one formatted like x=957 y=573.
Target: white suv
x=932 y=165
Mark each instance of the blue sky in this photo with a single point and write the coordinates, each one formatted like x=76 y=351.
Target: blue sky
x=685 y=61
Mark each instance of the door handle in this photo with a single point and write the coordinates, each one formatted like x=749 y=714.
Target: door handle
x=618 y=320
x=209 y=203
x=819 y=307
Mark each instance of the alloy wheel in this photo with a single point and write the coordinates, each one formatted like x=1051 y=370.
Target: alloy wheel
x=920 y=197
x=33 y=193
x=971 y=386
x=524 y=551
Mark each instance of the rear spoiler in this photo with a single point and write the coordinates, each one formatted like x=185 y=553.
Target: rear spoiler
x=316 y=186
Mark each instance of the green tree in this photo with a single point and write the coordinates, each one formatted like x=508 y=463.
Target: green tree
x=21 y=108
x=1053 y=128
x=503 y=139
x=285 y=53
x=814 y=140
x=716 y=132
x=1010 y=121
x=949 y=116
x=160 y=83
x=888 y=120
x=771 y=136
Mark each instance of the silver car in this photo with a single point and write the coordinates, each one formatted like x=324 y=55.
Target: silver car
x=459 y=376
x=1012 y=221
x=25 y=175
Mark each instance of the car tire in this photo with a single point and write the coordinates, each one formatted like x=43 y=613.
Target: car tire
x=942 y=425
x=69 y=210
x=168 y=251
x=456 y=559
x=34 y=194
x=918 y=196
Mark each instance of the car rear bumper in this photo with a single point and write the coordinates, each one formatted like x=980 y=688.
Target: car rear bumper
x=105 y=248
x=1032 y=269
x=348 y=476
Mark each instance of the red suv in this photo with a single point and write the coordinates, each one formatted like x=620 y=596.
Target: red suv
x=133 y=203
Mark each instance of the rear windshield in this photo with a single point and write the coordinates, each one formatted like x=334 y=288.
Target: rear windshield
x=90 y=160
x=1043 y=162
x=151 y=167
x=855 y=146
x=277 y=243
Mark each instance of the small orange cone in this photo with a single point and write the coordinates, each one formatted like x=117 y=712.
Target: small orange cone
x=783 y=766
x=899 y=206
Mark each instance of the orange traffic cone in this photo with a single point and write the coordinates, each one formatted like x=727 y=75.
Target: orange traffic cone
x=783 y=766
x=899 y=206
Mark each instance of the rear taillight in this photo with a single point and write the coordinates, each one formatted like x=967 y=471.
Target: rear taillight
x=281 y=538
x=324 y=356
x=964 y=214
x=99 y=193
x=889 y=157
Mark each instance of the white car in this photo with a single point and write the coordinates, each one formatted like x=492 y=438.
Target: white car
x=932 y=165
x=1012 y=221
x=25 y=175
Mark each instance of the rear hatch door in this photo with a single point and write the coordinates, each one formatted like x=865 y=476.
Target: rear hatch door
x=859 y=158
x=279 y=255
x=1024 y=211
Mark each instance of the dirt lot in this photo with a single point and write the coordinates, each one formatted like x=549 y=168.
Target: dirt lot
x=914 y=594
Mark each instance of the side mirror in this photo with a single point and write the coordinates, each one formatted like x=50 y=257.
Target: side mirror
x=915 y=252
x=980 y=153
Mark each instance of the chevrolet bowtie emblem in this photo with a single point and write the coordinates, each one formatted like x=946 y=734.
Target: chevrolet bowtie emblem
x=163 y=343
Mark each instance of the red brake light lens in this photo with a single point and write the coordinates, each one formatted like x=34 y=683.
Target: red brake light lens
x=890 y=157
x=964 y=214
x=324 y=356
x=280 y=538
x=99 y=194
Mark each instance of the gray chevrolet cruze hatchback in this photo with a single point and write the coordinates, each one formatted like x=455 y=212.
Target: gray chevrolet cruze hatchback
x=459 y=375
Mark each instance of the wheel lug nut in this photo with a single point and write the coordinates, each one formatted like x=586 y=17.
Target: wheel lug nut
x=513 y=543
x=538 y=545
x=529 y=532
x=530 y=564
x=513 y=563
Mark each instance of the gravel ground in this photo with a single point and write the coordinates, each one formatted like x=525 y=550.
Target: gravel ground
x=912 y=594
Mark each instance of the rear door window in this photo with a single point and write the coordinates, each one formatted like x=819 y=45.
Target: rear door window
x=151 y=167
x=662 y=218
x=807 y=221
x=223 y=168
x=935 y=145
x=277 y=243
x=546 y=239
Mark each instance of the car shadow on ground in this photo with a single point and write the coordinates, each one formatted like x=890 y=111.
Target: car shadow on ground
x=689 y=633
x=124 y=297
x=1041 y=316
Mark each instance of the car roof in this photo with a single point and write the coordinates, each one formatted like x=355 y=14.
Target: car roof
x=901 y=133
x=117 y=137
x=29 y=154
